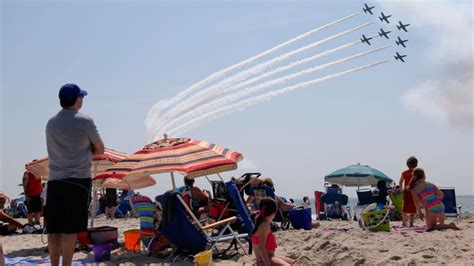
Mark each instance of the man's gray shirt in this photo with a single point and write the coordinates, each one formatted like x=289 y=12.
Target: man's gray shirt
x=69 y=138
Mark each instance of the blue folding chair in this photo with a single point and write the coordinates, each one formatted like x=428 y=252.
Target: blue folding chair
x=451 y=208
x=243 y=213
x=188 y=237
x=333 y=205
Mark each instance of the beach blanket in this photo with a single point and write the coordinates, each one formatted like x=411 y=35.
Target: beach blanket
x=402 y=229
x=42 y=261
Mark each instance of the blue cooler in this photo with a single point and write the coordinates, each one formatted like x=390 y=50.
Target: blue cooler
x=301 y=218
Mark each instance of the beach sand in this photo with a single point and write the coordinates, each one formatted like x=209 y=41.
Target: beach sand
x=351 y=246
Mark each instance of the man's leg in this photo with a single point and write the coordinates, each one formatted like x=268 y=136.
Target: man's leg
x=68 y=246
x=37 y=217
x=54 y=247
x=30 y=217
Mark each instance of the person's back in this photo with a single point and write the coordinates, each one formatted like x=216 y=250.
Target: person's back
x=69 y=136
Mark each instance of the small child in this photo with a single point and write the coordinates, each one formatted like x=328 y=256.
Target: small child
x=408 y=205
x=429 y=196
x=262 y=236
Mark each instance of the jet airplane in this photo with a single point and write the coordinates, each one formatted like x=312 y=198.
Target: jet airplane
x=401 y=42
x=384 y=17
x=399 y=57
x=368 y=9
x=365 y=39
x=402 y=26
x=383 y=33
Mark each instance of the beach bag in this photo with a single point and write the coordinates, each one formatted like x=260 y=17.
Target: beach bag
x=218 y=210
x=375 y=220
x=32 y=229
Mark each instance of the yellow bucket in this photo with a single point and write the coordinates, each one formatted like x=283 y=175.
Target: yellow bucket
x=203 y=258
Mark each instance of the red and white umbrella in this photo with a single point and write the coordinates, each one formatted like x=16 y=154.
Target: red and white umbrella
x=192 y=158
x=100 y=163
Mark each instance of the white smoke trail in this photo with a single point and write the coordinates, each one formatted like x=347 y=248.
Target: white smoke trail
x=210 y=92
x=261 y=98
x=161 y=105
x=210 y=106
x=182 y=110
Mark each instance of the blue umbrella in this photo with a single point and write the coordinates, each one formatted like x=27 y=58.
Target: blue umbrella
x=357 y=175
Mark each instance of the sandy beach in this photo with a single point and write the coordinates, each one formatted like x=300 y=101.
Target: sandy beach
x=334 y=243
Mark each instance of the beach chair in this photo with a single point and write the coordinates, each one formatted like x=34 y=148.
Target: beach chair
x=151 y=238
x=364 y=197
x=451 y=208
x=263 y=191
x=239 y=205
x=319 y=205
x=334 y=205
x=188 y=235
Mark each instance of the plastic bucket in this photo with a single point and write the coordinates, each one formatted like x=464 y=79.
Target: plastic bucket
x=203 y=258
x=101 y=252
x=132 y=239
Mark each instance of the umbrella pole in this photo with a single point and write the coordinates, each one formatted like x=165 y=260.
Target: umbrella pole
x=94 y=198
x=172 y=180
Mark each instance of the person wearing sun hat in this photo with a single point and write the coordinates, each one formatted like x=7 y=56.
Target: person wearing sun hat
x=71 y=139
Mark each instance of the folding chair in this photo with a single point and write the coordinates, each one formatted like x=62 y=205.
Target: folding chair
x=264 y=191
x=191 y=238
x=243 y=212
x=364 y=197
x=333 y=205
x=451 y=208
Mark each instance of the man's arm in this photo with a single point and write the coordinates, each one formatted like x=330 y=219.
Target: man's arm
x=97 y=147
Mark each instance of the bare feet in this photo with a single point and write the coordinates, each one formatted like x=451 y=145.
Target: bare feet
x=453 y=226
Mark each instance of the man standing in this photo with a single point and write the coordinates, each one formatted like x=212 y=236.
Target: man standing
x=71 y=138
x=33 y=188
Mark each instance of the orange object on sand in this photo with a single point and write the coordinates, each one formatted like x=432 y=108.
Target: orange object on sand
x=132 y=239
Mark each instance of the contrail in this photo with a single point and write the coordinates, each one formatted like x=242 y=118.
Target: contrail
x=209 y=107
x=161 y=105
x=263 y=97
x=182 y=111
x=201 y=96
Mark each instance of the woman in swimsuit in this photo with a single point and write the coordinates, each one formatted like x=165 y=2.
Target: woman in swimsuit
x=262 y=236
x=428 y=195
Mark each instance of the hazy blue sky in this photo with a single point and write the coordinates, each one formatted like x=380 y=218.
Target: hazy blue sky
x=130 y=54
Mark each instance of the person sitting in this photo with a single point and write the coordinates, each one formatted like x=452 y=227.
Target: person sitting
x=197 y=199
x=10 y=225
x=380 y=193
x=282 y=205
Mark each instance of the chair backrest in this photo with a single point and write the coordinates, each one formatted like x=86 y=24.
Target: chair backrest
x=449 y=200
x=332 y=198
x=261 y=192
x=219 y=190
x=239 y=205
x=177 y=227
x=146 y=210
x=334 y=188
x=364 y=197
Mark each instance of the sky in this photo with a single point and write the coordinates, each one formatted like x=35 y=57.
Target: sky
x=129 y=55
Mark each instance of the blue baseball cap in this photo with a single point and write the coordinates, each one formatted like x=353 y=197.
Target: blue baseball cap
x=71 y=91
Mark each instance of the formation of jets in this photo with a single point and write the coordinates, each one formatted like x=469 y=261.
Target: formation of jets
x=382 y=33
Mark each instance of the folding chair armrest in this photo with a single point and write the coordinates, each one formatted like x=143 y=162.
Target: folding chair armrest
x=223 y=222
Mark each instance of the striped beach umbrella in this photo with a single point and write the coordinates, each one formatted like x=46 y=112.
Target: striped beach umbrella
x=192 y=158
x=357 y=175
x=100 y=163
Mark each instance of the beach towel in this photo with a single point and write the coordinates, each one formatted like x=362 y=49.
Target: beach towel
x=41 y=261
x=403 y=229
